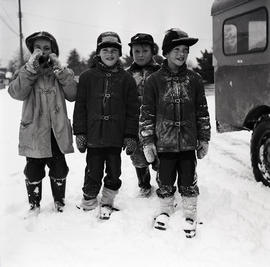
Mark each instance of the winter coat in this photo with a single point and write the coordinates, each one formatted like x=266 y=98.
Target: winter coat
x=107 y=107
x=44 y=108
x=174 y=114
x=141 y=73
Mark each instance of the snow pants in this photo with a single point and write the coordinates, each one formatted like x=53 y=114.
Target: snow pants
x=180 y=166
x=95 y=160
x=35 y=167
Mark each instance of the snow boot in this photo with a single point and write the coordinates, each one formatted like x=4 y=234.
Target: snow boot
x=34 y=191
x=161 y=221
x=88 y=204
x=190 y=214
x=166 y=209
x=58 y=187
x=105 y=212
x=145 y=192
x=106 y=203
x=144 y=177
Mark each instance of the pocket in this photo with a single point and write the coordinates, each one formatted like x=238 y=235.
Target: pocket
x=26 y=134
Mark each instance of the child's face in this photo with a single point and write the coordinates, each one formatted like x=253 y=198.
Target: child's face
x=142 y=54
x=109 y=55
x=177 y=56
x=44 y=45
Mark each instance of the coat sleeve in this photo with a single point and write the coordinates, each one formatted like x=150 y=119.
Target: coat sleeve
x=132 y=109
x=67 y=80
x=22 y=84
x=80 y=109
x=202 y=114
x=147 y=119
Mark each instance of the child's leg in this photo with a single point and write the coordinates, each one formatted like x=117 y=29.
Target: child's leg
x=142 y=170
x=187 y=185
x=34 y=172
x=58 y=173
x=112 y=182
x=93 y=177
x=166 y=179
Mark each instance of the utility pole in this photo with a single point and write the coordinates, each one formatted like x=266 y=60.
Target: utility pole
x=21 y=35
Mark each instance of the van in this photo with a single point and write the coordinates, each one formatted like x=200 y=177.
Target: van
x=241 y=59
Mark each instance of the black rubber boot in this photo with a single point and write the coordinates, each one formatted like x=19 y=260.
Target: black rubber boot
x=58 y=191
x=34 y=191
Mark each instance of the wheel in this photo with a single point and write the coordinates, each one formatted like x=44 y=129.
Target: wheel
x=260 y=152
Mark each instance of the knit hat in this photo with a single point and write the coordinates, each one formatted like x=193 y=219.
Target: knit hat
x=109 y=39
x=143 y=38
x=175 y=37
x=29 y=41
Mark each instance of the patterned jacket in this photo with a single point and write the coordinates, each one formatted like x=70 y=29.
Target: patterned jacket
x=44 y=108
x=107 y=106
x=140 y=74
x=174 y=114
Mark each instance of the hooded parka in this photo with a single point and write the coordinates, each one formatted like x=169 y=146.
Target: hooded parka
x=44 y=109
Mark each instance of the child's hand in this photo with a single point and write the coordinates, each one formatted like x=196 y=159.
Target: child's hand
x=81 y=142
x=33 y=63
x=130 y=144
x=55 y=61
x=150 y=152
x=202 y=149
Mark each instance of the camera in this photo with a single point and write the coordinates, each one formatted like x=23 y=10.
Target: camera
x=42 y=59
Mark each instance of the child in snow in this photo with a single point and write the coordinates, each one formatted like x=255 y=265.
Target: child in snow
x=174 y=123
x=45 y=136
x=105 y=120
x=142 y=50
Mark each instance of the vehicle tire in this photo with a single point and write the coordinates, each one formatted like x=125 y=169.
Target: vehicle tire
x=260 y=152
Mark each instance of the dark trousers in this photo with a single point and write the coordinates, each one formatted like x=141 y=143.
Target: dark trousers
x=180 y=166
x=95 y=159
x=35 y=167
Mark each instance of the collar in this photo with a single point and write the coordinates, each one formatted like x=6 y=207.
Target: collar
x=180 y=71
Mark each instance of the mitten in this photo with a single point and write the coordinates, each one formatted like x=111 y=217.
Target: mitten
x=55 y=62
x=202 y=149
x=81 y=142
x=150 y=152
x=130 y=145
x=33 y=62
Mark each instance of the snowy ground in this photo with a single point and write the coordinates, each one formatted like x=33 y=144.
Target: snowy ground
x=234 y=210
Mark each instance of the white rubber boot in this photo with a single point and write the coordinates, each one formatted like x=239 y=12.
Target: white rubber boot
x=190 y=214
x=106 y=203
x=166 y=209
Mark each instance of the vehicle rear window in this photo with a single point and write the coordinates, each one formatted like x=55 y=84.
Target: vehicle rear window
x=246 y=33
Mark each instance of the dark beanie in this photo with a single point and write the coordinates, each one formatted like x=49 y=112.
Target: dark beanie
x=109 y=39
x=175 y=37
x=29 y=41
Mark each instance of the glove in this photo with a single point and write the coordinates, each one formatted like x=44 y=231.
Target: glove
x=150 y=153
x=202 y=149
x=130 y=144
x=33 y=62
x=55 y=62
x=81 y=142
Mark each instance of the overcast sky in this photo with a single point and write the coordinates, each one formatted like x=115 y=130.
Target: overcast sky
x=77 y=23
